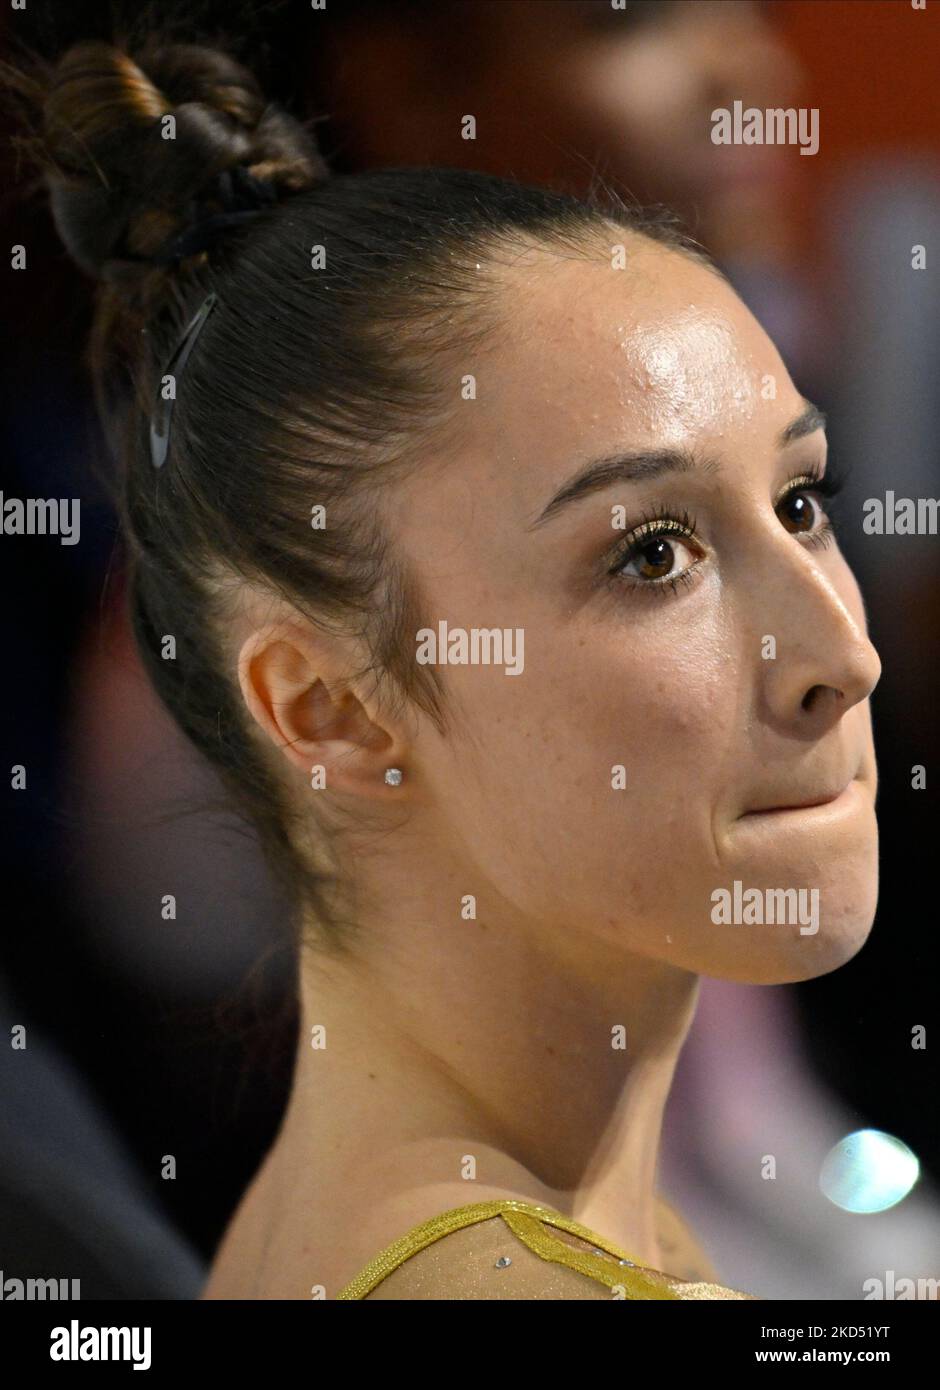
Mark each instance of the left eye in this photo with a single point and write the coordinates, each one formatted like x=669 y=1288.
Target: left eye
x=799 y=511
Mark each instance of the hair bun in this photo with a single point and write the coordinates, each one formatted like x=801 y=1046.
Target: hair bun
x=134 y=145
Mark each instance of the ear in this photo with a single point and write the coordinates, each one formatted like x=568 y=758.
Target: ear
x=293 y=684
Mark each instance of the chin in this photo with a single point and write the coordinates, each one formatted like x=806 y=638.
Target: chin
x=787 y=954
x=780 y=954
x=809 y=958
x=826 y=861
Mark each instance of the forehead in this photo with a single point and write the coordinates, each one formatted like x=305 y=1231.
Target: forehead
x=587 y=360
x=661 y=351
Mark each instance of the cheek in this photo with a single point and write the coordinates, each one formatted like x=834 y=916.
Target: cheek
x=661 y=678
x=602 y=758
x=667 y=721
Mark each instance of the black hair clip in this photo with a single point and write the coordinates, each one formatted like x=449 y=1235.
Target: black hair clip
x=163 y=410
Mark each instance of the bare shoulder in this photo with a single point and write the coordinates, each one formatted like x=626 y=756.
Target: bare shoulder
x=492 y=1258
x=485 y=1261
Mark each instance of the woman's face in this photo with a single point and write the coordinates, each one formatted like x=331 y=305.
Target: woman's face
x=725 y=671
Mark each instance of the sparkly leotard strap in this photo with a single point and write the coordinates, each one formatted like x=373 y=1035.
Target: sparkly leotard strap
x=533 y=1226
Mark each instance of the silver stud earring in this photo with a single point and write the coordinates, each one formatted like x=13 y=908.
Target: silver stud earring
x=393 y=776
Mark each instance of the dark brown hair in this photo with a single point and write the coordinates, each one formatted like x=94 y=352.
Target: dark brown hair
x=306 y=386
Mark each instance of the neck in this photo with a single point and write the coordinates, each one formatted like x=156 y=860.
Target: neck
x=531 y=1059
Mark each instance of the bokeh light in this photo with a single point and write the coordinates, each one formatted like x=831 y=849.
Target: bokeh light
x=868 y=1171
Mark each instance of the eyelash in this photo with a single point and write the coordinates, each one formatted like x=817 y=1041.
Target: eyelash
x=658 y=522
x=661 y=521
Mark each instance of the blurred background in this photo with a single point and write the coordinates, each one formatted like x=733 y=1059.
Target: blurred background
x=147 y=1037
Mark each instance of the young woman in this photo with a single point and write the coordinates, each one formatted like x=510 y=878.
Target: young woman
x=478 y=536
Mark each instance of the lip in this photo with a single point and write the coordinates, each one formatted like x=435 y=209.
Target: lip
x=809 y=804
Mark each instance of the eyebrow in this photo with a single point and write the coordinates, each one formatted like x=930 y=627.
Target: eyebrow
x=640 y=465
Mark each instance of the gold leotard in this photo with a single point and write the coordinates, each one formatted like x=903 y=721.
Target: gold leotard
x=487 y=1254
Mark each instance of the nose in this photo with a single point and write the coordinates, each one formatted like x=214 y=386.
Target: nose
x=824 y=662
